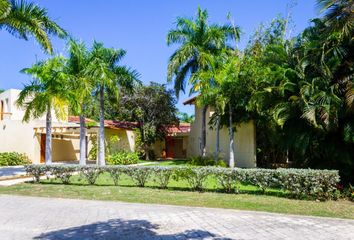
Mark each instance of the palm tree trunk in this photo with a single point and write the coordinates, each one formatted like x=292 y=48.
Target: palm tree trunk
x=48 y=137
x=101 y=144
x=82 y=139
x=217 y=149
x=231 y=136
x=203 y=137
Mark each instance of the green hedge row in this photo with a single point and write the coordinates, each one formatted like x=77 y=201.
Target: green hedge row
x=13 y=159
x=299 y=183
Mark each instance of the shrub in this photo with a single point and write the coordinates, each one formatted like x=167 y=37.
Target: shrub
x=62 y=172
x=36 y=171
x=90 y=173
x=123 y=158
x=318 y=184
x=115 y=172
x=139 y=174
x=262 y=178
x=195 y=176
x=162 y=175
x=13 y=159
x=205 y=161
x=299 y=183
x=227 y=178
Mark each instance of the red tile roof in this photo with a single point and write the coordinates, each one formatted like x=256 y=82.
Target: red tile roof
x=182 y=128
x=76 y=119
x=120 y=124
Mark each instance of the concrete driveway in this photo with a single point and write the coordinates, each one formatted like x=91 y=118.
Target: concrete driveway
x=50 y=218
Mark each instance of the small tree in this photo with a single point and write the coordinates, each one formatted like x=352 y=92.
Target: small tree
x=154 y=108
x=48 y=91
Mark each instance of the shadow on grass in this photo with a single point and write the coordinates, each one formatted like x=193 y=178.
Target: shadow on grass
x=123 y=229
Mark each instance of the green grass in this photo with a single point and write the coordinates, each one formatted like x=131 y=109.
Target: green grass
x=176 y=194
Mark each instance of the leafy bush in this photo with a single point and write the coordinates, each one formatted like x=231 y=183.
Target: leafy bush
x=262 y=178
x=62 y=172
x=115 y=172
x=299 y=183
x=205 y=161
x=195 y=176
x=90 y=173
x=123 y=158
x=139 y=174
x=162 y=175
x=227 y=178
x=13 y=159
x=318 y=184
x=36 y=171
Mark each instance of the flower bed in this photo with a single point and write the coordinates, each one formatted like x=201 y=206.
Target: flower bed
x=298 y=183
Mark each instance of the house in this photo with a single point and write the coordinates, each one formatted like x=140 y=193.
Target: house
x=244 y=139
x=29 y=138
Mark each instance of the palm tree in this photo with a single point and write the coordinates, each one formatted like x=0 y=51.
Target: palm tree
x=48 y=91
x=107 y=76
x=198 y=41
x=22 y=19
x=81 y=86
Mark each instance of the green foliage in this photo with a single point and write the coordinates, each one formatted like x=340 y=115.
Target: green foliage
x=36 y=171
x=63 y=173
x=123 y=158
x=299 y=183
x=163 y=175
x=13 y=159
x=90 y=173
x=195 y=176
x=22 y=19
x=184 y=117
x=205 y=161
x=154 y=108
x=115 y=172
x=227 y=178
x=139 y=174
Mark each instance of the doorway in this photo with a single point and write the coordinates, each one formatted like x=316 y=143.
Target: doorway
x=42 y=160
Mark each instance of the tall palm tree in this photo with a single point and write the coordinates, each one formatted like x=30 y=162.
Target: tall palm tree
x=81 y=85
x=198 y=41
x=21 y=19
x=107 y=76
x=48 y=91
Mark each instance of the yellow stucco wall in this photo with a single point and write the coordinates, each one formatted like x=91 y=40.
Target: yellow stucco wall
x=244 y=139
x=120 y=139
x=18 y=137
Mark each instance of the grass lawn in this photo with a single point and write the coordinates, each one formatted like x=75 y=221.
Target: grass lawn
x=176 y=194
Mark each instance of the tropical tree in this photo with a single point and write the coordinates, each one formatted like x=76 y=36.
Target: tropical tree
x=81 y=85
x=47 y=92
x=185 y=117
x=154 y=108
x=107 y=76
x=198 y=41
x=22 y=19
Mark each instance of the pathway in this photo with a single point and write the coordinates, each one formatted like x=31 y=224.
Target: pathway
x=51 y=218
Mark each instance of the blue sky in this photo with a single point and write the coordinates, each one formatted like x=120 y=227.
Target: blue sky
x=140 y=27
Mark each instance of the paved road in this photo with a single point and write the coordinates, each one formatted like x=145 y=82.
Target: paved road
x=44 y=218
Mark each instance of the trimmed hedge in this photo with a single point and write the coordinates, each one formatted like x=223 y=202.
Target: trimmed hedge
x=298 y=183
x=13 y=159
